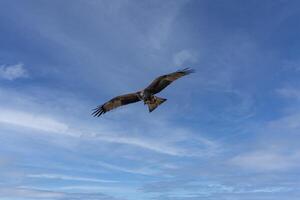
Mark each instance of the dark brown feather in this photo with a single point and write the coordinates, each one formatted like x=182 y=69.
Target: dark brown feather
x=163 y=81
x=116 y=102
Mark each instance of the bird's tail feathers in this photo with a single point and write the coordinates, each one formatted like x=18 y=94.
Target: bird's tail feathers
x=155 y=102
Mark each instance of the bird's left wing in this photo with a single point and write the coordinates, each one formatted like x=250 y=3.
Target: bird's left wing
x=116 y=102
x=163 y=81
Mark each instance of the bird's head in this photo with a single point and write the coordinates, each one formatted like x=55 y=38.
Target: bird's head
x=141 y=95
x=145 y=96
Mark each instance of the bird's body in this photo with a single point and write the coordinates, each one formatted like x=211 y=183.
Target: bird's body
x=146 y=95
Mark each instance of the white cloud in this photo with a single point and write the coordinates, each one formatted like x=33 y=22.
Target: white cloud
x=184 y=56
x=286 y=124
x=143 y=171
x=289 y=93
x=161 y=30
x=93 y=189
x=68 y=178
x=291 y=65
x=277 y=148
x=22 y=193
x=267 y=161
x=146 y=143
x=167 y=145
x=33 y=121
x=172 y=145
x=12 y=72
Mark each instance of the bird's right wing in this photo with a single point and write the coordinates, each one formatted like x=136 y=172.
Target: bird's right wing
x=116 y=102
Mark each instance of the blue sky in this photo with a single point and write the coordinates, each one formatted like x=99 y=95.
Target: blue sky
x=229 y=131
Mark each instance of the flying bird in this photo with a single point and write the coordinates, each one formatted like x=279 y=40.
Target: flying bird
x=146 y=95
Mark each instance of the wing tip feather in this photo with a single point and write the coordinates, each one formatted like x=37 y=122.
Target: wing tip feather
x=187 y=71
x=98 y=111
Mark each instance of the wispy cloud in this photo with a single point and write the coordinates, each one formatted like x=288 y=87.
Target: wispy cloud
x=276 y=149
x=286 y=124
x=186 y=186
x=33 y=121
x=289 y=92
x=159 y=32
x=12 y=72
x=168 y=146
x=267 y=161
x=52 y=125
x=24 y=192
x=29 y=193
x=146 y=143
x=143 y=171
x=200 y=189
x=69 y=178
x=93 y=191
x=184 y=56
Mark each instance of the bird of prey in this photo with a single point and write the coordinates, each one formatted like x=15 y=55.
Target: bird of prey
x=146 y=95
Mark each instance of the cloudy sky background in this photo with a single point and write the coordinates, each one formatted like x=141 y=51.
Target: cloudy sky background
x=229 y=131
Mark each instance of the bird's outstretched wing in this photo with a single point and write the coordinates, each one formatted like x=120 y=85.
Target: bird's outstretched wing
x=116 y=102
x=163 y=81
